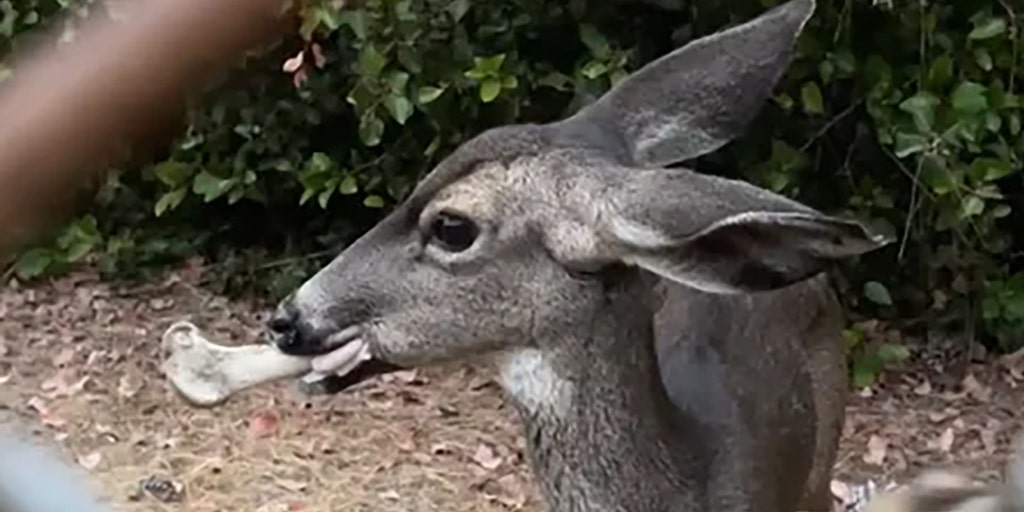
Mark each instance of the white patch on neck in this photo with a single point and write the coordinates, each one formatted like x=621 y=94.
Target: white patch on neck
x=528 y=376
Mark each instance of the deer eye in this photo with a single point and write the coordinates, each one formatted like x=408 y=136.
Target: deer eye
x=453 y=233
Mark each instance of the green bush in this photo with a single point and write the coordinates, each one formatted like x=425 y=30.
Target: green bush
x=905 y=114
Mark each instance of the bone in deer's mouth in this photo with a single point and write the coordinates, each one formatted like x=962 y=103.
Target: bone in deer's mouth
x=207 y=373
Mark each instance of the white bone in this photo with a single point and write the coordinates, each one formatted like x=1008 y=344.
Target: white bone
x=207 y=374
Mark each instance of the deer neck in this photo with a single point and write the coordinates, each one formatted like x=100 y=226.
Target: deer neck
x=602 y=434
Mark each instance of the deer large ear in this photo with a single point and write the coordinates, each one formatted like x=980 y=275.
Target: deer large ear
x=718 y=235
x=697 y=98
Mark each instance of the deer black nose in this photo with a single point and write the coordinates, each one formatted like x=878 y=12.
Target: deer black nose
x=284 y=327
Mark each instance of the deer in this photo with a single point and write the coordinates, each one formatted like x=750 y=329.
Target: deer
x=670 y=340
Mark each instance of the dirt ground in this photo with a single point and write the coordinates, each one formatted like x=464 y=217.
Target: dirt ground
x=79 y=372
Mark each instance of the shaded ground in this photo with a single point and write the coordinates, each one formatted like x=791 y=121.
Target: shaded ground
x=78 y=370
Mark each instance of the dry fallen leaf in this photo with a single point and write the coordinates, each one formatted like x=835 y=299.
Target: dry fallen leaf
x=4 y=379
x=46 y=416
x=923 y=389
x=486 y=457
x=405 y=440
x=291 y=485
x=128 y=387
x=877 y=448
x=64 y=357
x=263 y=424
x=64 y=384
x=841 y=491
x=975 y=389
x=944 y=442
x=90 y=461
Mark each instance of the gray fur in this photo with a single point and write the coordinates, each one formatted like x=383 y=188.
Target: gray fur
x=615 y=298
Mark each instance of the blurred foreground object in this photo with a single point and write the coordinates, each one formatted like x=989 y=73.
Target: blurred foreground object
x=70 y=110
x=34 y=480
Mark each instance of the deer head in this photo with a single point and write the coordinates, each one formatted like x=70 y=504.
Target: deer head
x=507 y=242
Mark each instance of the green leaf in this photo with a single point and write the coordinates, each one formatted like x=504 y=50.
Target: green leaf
x=371 y=61
x=988 y=28
x=594 y=41
x=940 y=72
x=319 y=163
x=877 y=292
x=910 y=143
x=428 y=94
x=172 y=173
x=593 y=69
x=397 y=80
x=891 y=352
x=169 y=201
x=371 y=129
x=210 y=186
x=1001 y=211
x=810 y=94
x=991 y=169
x=983 y=59
x=489 y=65
x=489 y=89
x=972 y=206
x=356 y=20
x=865 y=370
x=373 y=201
x=458 y=8
x=509 y=82
x=32 y=263
x=348 y=186
x=922 y=108
x=400 y=108
x=324 y=197
x=969 y=98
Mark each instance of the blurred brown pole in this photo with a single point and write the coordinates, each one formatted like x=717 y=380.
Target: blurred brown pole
x=67 y=111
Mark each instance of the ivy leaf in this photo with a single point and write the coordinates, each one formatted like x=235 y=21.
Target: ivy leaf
x=324 y=197
x=593 y=69
x=910 y=143
x=988 y=28
x=348 y=186
x=972 y=206
x=356 y=20
x=489 y=89
x=983 y=59
x=169 y=201
x=397 y=80
x=32 y=263
x=373 y=201
x=371 y=129
x=594 y=41
x=428 y=94
x=172 y=173
x=922 y=108
x=400 y=108
x=489 y=65
x=210 y=186
x=371 y=61
x=877 y=292
x=812 y=100
x=969 y=98
x=458 y=8
x=991 y=169
x=510 y=82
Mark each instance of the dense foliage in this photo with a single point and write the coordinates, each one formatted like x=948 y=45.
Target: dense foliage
x=905 y=114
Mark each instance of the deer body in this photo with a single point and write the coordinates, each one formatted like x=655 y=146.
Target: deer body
x=668 y=337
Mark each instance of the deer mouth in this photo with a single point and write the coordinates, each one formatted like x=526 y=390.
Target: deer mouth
x=348 y=362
